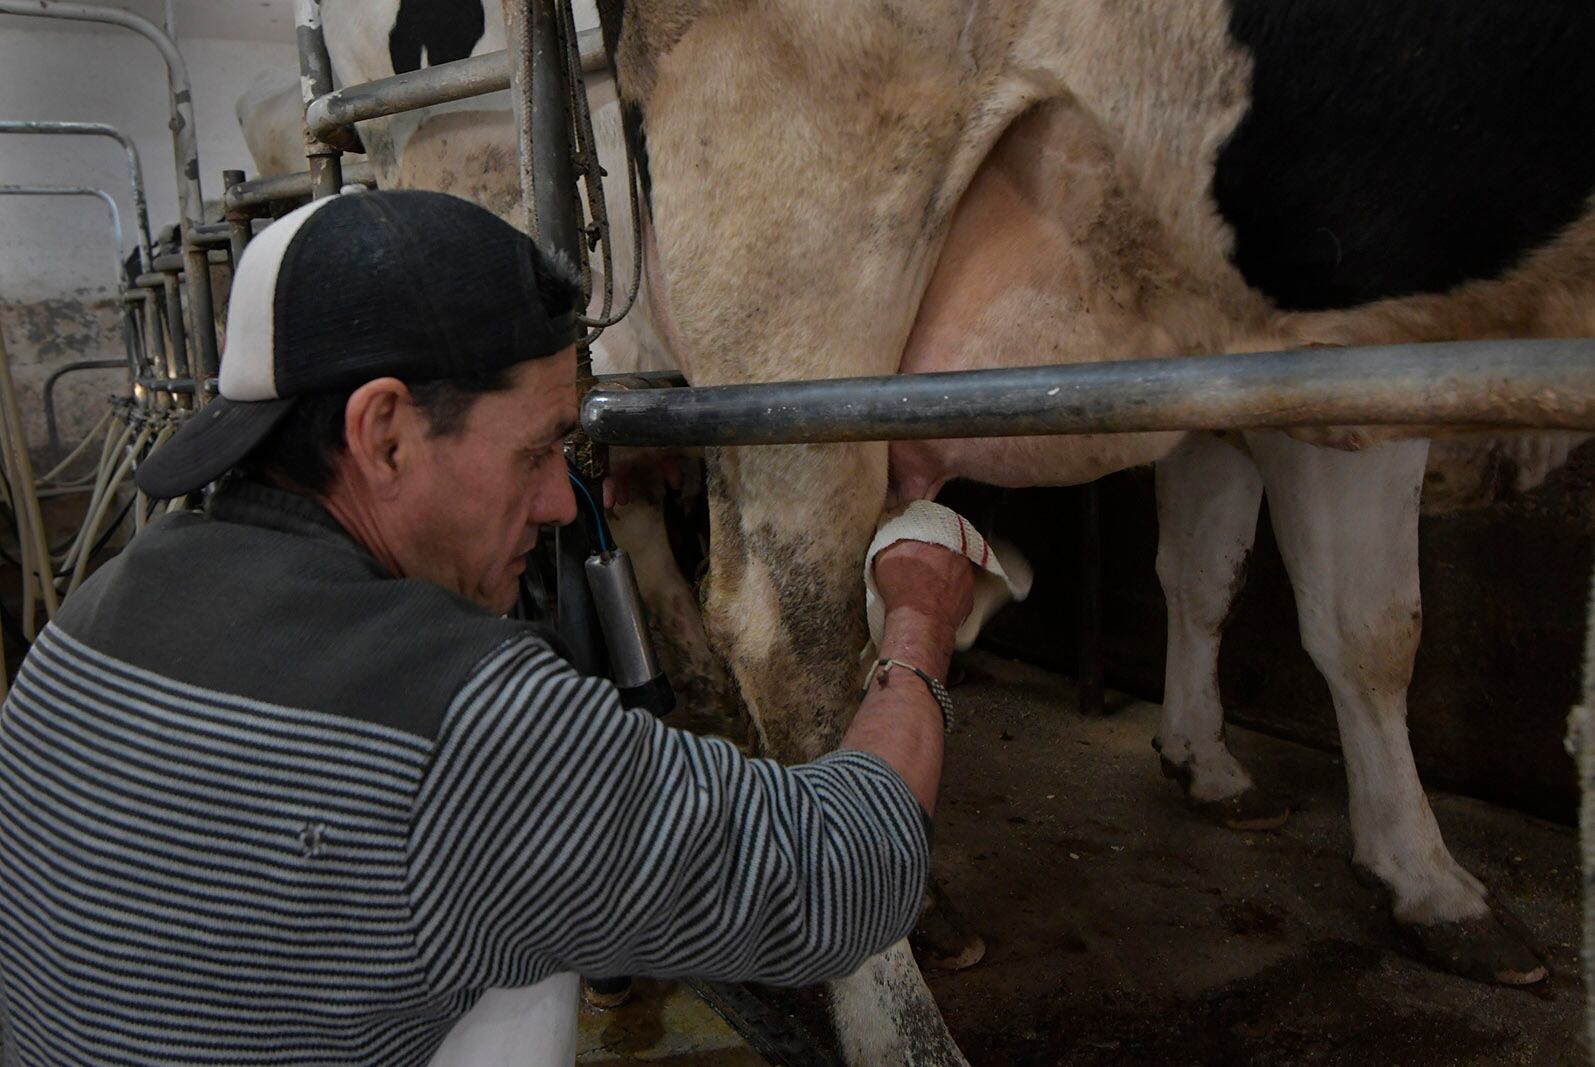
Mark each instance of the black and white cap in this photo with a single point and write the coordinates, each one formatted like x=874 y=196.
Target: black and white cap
x=413 y=285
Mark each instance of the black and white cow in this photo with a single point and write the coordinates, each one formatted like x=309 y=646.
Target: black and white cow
x=884 y=186
x=930 y=186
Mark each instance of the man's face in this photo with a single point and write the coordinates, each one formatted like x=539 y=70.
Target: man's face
x=473 y=505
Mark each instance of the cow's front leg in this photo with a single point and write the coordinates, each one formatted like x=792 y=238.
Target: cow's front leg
x=1208 y=493
x=700 y=679
x=1347 y=525
x=789 y=527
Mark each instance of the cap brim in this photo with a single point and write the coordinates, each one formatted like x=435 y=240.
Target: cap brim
x=210 y=442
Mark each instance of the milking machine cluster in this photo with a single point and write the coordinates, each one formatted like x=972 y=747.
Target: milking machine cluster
x=584 y=587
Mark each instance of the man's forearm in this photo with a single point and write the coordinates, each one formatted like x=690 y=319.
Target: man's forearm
x=901 y=721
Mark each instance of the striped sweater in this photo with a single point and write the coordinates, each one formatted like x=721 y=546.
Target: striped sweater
x=261 y=803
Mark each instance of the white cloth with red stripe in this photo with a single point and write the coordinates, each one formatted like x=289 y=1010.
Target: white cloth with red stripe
x=1003 y=573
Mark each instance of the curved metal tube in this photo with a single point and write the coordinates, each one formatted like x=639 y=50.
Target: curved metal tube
x=459 y=79
x=1540 y=383
x=185 y=147
x=80 y=190
x=52 y=429
x=134 y=168
x=116 y=230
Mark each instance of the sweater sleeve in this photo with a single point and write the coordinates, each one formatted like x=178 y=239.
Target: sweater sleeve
x=554 y=827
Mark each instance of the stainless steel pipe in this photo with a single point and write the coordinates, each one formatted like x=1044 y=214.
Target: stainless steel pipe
x=258 y=192
x=1502 y=383
x=539 y=97
x=323 y=151
x=440 y=84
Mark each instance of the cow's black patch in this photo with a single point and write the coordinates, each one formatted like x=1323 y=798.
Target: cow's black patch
x=445 y=30
x=1405 y=146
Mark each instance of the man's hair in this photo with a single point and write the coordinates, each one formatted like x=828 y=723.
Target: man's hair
x=301 y=450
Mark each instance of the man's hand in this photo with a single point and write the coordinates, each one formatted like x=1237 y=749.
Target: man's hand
x=928 y=591
x=926 y=580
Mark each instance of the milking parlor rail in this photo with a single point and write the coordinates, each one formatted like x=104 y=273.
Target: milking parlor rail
x=1476 y=384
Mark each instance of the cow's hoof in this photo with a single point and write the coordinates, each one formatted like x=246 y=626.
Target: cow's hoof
x=942 y=940
x=1490 y=948
x=1252 y=810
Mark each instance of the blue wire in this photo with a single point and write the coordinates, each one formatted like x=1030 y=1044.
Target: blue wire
x=598 y=516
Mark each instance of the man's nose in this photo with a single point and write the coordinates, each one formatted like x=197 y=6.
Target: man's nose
x=561 y=508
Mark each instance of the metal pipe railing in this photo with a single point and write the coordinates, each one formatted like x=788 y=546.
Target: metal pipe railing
x=1502 y=383
x=82 y=190
x=258 y=192
x=129 y=330
x=134 y=168
x=52 y=428
x=185 y=147
x=539 y=101
x=177 y=263
x=440 y=84
x=323 y=150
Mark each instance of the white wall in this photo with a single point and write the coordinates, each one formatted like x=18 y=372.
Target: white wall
x=55 y=278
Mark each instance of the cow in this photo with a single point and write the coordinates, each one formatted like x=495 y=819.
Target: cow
x=877 y=187
x=881 y=186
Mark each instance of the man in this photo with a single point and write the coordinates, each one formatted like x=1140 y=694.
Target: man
x=281 y=784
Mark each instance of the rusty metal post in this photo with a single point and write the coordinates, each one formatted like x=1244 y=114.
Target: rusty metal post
x=540 y=97
x=239 y=225
x=325 y=159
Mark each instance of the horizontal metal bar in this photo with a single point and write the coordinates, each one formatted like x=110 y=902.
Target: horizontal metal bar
x=458 y=80
x=168 y=385
x=178 y=262
x=257 y=192
x=1540 y=383
x=440 y=84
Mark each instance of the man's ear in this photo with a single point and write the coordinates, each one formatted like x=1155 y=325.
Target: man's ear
x=379 y=428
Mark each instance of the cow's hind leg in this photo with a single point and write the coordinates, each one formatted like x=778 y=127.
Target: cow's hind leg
x=1347 y=526
x=1208 y=493
x=789 y=527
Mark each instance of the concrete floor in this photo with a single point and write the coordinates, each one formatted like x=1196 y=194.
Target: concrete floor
x=663 y=1024
x=1122 y=930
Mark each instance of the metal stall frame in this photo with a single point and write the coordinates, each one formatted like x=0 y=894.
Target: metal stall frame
x=134 y=168
x=150 y=325
x=129 y=333
x=185 y=150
